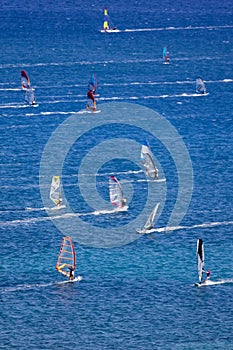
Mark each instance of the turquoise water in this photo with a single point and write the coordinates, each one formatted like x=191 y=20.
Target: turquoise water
x=139 y=293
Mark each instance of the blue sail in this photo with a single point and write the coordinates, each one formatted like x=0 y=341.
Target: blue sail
x=165 y=55
x=92 y=84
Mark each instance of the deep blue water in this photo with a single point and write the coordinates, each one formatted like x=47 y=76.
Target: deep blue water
x=137 y=291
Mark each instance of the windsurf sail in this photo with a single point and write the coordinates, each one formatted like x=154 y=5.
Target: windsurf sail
x=30 y=96
x=149 y=225
x=66 y=261
x=115 y=193
x=25 y=81
x=147 y=160
x=92 y=84
x=200 y=258
x=108 y=24
x=55 y=190
x=200 y=86
x=165 y=54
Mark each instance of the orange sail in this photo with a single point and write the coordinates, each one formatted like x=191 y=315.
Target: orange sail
x=66 y=258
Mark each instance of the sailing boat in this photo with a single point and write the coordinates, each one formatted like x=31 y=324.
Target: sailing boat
x=149 y=225
x=55 y=192
x=200 y=86
x=147 y=160
x=116 y=194
x=26 y=85
x=166 y=59
x=66 y=262
x=108 y=26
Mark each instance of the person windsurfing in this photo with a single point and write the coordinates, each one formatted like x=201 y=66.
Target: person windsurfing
x=165 y=55
x=71 y=274
x=30 y=97
x=200 y=86
x=207 y=275
x=92 y=86
x=91 y=102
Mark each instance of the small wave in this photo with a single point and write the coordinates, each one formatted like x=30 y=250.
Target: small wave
x=14 y=105
x=113 y=211
x=10 y=89
x=222 y=281
x=205 y=225
x=176 y=28
x=25 y=287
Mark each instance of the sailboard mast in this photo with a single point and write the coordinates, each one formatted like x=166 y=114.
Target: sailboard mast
x=115 y=192
x=147 y=160
x=55 y=190
x=200 y=259
x=66 y=261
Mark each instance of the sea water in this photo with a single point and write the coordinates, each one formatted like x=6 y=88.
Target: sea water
x=137 y=290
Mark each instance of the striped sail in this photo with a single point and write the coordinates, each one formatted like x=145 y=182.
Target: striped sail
x=66 y=258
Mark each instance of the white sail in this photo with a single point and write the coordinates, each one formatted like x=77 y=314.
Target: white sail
x=115 y=193
x=55 y=190
x=147 y=160
x=149 y=225
x=30 y=96
x=200 y=258
x=200 y=86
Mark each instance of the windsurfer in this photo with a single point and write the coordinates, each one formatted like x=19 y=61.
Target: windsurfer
x=59 y=202
x=91 y=102
x=207 y=275
x=29 y=96
x=123 y=202
x=165 y=55
x=71 y=274
x=200 y=86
